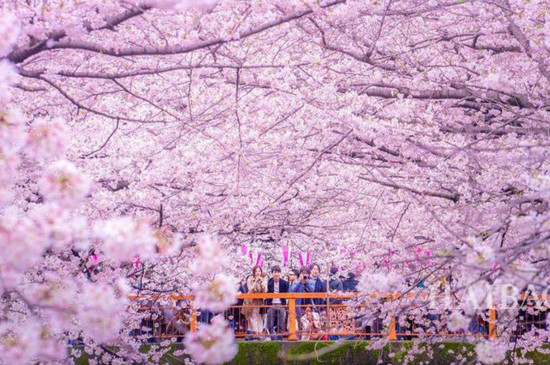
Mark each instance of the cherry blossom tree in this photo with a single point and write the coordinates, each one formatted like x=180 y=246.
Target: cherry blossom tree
x=412 y=133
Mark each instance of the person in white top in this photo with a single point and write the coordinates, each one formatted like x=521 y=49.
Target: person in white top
x=311 y=325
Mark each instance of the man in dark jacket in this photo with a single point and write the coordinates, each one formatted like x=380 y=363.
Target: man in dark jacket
x=335 y=284
x=350 y=284
x=276 y=315
x=316 y=284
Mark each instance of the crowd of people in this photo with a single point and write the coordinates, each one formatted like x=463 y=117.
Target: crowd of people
x=315 y=319
x=268 y=318
x=270 y=315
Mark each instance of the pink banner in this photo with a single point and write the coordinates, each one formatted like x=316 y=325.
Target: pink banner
x=286 y=255
x=304 y=258
x=258 y=258
x=244 y=250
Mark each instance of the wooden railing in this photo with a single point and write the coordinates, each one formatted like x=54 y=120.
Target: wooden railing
x=292 y=334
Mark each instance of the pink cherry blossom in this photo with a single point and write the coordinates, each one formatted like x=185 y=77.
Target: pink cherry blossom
x=212 y=344
x=491 y=352
x=20 y=345
x=216 y=295
x=9 y=162
x=457 y=321
x=8 y=77
x=64 y=183
x=12 y=125
x=9 y=31
x=60 y=227
x=181 y=5
x=413 y=134
x=210 y=256
x=47 y=138
x=124 y=238
x=380 y=282
x=22 y=244
x=99 y=312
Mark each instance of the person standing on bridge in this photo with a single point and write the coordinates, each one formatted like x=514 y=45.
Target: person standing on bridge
x=276 y=314
x=316 y=284
x=293 y=280
x=256 y=284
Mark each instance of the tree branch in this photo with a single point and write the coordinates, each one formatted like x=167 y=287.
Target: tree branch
x=104 y=143
x=396 y=92
x=453 y=197
x=176 y=49
x=144 y=72
x=20 y=55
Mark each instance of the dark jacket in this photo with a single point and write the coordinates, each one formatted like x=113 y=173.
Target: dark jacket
x=242 y=289
x=350 y=284
x=283 y=288
x=295 y=285
x=301 y=288
x=335 y=284
x=320 y=287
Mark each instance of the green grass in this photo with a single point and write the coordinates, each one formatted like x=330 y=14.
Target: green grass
x=348 y=353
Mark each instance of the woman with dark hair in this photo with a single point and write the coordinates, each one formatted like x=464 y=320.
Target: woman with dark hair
x=311 y=326
x=238 y=321
x=256 y=284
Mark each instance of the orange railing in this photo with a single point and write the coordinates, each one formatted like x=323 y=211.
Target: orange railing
x=164 y=318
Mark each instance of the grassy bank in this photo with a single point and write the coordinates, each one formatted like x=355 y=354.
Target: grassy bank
x=348 y=353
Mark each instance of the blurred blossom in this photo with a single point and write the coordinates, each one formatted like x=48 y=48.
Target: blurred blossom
x=491 y=352
x=210 y=259
x=380 y=282
x=125 y=238
x=216 y=295
x=100 y=311
x=47 y=138
x=65 y=184
x=212 y=344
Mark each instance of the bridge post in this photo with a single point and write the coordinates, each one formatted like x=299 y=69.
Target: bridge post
x=392 y=333
x=292 y=336
x=492 y=323
x=193 y=321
